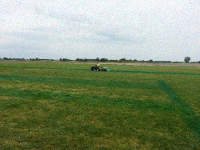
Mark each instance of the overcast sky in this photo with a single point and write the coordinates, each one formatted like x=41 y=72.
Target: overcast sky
x=113 y=29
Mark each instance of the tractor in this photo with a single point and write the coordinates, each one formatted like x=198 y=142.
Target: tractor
x=98 y=68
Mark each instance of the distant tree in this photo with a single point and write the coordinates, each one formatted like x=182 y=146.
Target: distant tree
x=150 y=60
x=104 y=59
x=65 y=59
x=123 y=60
x=187 y=59
x=97 y=59
x=135 y=60
x=142 y=61
x=78 y=59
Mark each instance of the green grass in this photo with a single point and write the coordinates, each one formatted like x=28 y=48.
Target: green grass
x=65 y=106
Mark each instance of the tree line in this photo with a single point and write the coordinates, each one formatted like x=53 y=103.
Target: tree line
x=186 y=60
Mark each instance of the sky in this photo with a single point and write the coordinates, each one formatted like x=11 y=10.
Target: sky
x=161 y=30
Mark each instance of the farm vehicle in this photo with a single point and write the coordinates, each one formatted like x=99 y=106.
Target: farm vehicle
x=98 y=68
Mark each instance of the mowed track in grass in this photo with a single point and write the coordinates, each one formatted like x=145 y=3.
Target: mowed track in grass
x=65 y=106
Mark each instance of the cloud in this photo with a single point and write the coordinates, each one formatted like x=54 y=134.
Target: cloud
x=113 y=36
x=37 y=9
x=26 y=36
x=22 y=50
x=2 y=20
x=142 y=29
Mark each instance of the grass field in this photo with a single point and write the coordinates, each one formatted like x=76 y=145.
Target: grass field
x=46 y=105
